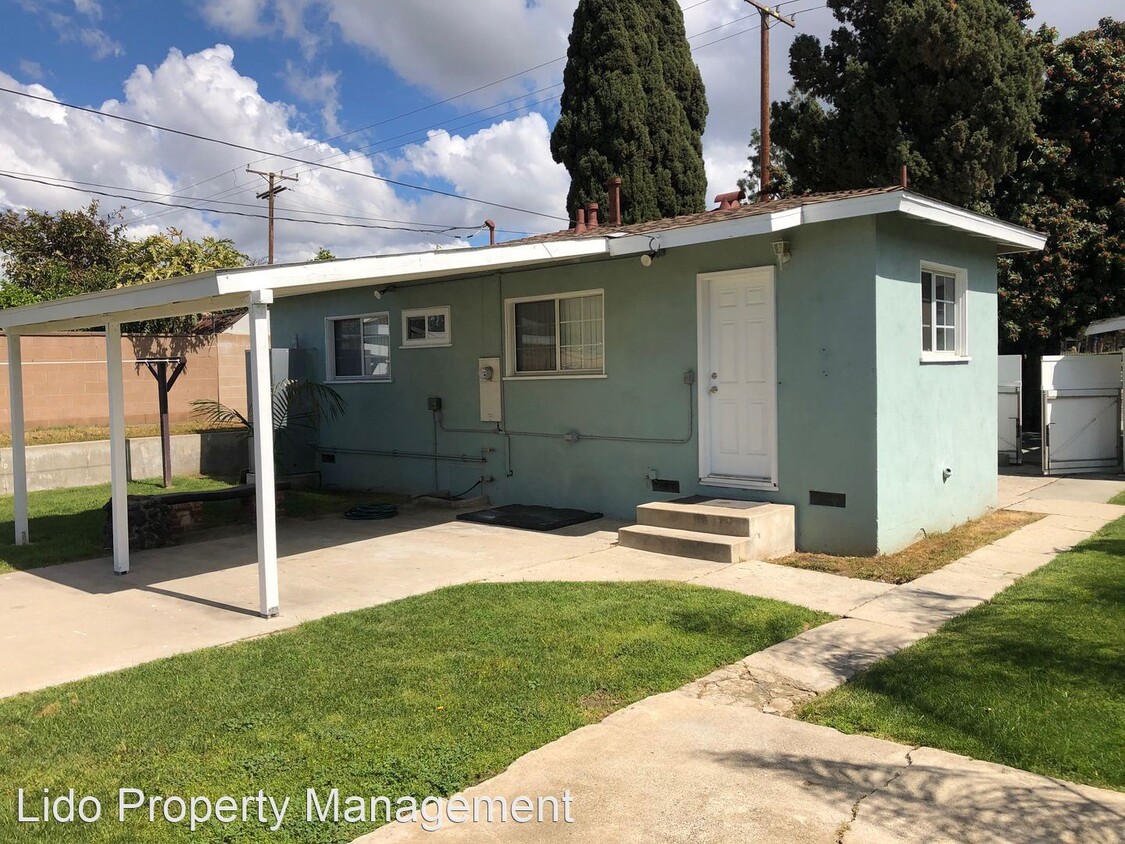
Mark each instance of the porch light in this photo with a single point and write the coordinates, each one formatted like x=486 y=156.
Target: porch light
x=781 y=250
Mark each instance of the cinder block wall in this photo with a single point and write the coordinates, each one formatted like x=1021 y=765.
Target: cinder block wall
x=64 y=377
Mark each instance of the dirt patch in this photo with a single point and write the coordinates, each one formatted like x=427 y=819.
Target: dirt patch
x=924 y=556
x=599 y=704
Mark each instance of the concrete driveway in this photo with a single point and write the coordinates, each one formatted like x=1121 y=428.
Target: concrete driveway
x=707 y=763
x=66 y=622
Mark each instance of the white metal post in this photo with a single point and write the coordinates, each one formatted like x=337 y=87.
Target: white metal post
x=19 y=444
x=262 y=417
x=118 y=473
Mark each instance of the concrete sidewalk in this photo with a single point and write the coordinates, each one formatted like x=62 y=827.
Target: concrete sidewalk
x=712 y=762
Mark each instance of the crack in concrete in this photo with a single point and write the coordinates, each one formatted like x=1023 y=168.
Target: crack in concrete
x=845 y=827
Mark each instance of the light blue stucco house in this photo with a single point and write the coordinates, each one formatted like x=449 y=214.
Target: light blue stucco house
x=836 y=352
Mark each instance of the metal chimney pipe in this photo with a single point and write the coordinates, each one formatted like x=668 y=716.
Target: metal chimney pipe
x=614 y=188
x=491 y=232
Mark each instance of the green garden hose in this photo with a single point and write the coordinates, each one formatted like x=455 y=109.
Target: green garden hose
x=366 y=512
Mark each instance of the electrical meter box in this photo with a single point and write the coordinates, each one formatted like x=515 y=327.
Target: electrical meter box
x=488 y=373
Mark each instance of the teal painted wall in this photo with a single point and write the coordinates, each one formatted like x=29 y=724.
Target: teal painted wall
x=933 y=416
x=826 y=306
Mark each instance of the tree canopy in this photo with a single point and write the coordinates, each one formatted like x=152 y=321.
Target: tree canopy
x=50 y=256
x=950 y=89
x=634 y=106
x=1070 y=184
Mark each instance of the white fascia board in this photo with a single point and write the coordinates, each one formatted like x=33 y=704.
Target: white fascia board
x=222 y=289
x=96 y=320
x=1008 y=237
x=1104 y=326
x=858 y=206
x=299 y=279
x=113 y=305
x=636 y=244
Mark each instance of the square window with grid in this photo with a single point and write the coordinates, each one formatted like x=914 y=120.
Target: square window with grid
x=427 y=327
x=943 y=306
x=360 y=348
x=557 y=335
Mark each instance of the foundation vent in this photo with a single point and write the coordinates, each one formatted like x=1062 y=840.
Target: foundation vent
x=827 y=499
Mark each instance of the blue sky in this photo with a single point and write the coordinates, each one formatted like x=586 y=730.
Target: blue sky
x=293 y=74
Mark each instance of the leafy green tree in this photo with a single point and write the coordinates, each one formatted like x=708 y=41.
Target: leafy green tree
x=49 y=256
x=170 y=254
x=948 y=88
x=633 y=106
x=781 y=183
x=1070 y=184
x=323 y=254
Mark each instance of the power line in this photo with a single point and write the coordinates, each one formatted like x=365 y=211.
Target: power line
x=246 y=148
x=368 y=218
x=438 y=231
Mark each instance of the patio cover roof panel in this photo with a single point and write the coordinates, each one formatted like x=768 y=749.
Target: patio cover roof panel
x=221 y=289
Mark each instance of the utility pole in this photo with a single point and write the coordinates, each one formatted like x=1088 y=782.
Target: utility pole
x=274 y=190
x=766 y=12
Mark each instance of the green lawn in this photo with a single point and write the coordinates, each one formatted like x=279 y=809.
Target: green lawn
x=66 y=524
x=1034 y=679
x=423 y=696
x=1118 y=499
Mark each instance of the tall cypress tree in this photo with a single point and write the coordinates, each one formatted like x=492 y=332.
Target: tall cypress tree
x=633 y=106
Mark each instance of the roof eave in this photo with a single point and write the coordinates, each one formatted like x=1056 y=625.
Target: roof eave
x=1008 y=238
x=222 y=289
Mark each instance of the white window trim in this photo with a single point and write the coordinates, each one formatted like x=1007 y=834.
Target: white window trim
x=426 y=343
x=510 y=373
x=961 y=284
x=330 y=375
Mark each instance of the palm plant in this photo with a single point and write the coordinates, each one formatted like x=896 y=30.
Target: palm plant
x=297 y=405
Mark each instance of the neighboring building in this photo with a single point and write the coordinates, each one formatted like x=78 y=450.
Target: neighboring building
x=65 y=380
x=836 y=352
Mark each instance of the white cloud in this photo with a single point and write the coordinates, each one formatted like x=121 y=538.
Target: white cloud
x=204 y=93
x=101 y=46
x=236 y=17
x=508 y=164
x=90 y=8
x=32 y=70
x=69 y=30
x=320 y=89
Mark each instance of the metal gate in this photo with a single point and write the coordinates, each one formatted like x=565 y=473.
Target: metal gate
x=1081 y=413
x=1009 y=417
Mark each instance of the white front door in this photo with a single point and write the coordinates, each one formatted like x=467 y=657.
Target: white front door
x=738 y=378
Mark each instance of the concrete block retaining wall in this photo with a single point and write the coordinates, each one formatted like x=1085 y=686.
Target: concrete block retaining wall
x=84 y=464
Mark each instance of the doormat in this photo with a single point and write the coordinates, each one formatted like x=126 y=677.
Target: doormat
x=529 y=517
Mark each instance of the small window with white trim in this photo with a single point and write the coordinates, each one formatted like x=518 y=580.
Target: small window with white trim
x=427 y=327
x=944 y=326
x=359 y=347
x=560 y=335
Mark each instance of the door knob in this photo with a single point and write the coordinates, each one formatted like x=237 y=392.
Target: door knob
x=714 y=389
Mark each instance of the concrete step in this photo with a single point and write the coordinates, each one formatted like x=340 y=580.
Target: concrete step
x=769 y=527
x=685 y=543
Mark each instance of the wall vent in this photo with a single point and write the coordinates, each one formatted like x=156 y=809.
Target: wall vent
x=662 y=485
x=328 y=458
x=827 y=499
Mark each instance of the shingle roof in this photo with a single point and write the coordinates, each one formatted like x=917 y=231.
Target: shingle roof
x=749 y=210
